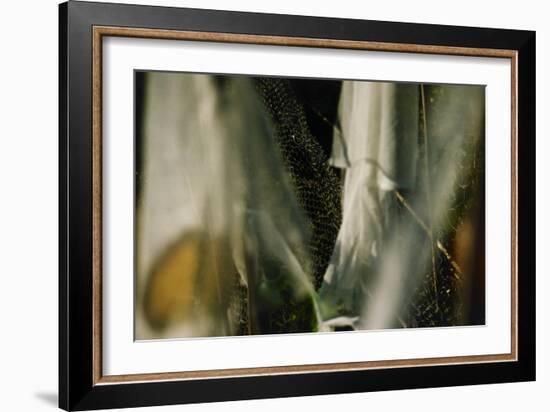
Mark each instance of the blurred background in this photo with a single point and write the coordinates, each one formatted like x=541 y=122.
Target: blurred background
x=277 y=205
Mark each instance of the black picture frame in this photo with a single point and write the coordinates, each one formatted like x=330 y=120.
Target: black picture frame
x=77 y=388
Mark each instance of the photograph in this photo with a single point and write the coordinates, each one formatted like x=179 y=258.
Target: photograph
x=283 y=205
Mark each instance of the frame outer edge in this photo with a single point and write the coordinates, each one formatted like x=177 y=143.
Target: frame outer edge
x=63 y=375
x=527 y=206
x=78 y=216
x=76 y=356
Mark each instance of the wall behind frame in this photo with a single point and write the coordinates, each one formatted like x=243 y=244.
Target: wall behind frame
x=28 y=203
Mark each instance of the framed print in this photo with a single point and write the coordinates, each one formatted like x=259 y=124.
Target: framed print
x=257 y=205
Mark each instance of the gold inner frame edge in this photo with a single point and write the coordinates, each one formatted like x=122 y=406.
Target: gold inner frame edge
x=98 y=32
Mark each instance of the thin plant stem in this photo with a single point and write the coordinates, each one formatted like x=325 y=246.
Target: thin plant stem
x=457 y=271
x=428 y=193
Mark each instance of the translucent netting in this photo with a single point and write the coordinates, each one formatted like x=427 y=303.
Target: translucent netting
x=316 y=184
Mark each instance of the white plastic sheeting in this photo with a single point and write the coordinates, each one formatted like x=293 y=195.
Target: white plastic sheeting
x=380 y=253
x=214 y=191
x=377 y=147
